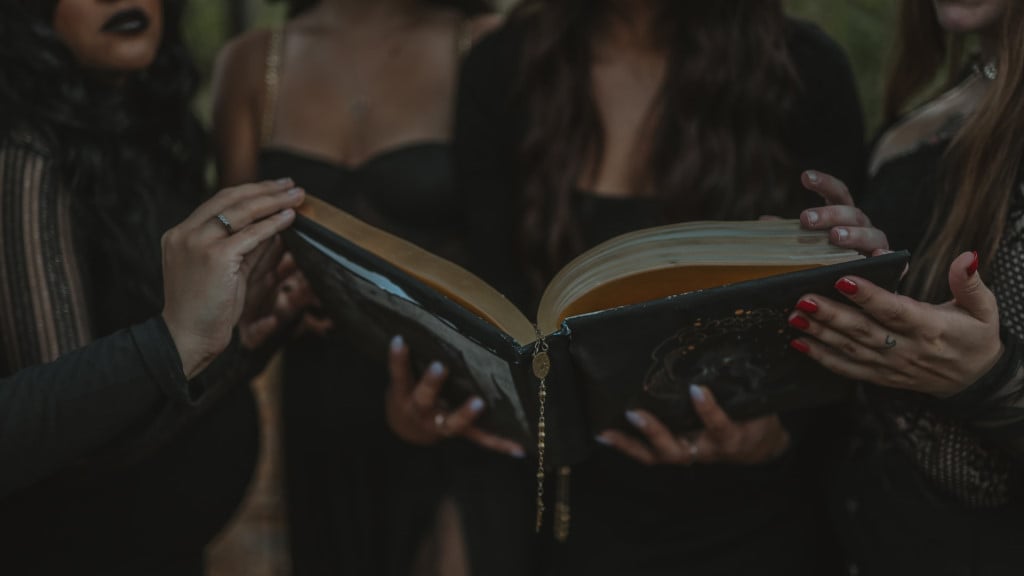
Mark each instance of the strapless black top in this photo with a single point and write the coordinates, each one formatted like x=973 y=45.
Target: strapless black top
x=407 y=190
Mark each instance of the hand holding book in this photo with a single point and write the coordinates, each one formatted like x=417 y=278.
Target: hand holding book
x=722 y=440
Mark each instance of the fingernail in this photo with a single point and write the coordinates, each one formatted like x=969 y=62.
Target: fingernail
x=813 y=176
x=846 y=286
x=397 y=343
x=294 y=191
x=696 y=393
x=284 y=181
x=842 y=234
x=973 y=268
x=799 y=346
x=635 y=419
x=436 y=368
x=600 y=439
x=812 y=217
x=517 y=453
x=799 y=322
x=287 y=213
x=476 y=405
x=807 y=306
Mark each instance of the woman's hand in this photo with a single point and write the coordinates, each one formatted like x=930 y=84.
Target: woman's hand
x=848 y=226
x=210 y=258
x=721 y=441
x=899 y=342
x=278 y=295
x=414 y=413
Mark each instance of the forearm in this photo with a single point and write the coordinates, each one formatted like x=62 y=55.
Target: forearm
x=56 y=414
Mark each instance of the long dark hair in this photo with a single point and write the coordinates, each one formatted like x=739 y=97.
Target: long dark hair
x=716 y=144
x=982 y=167
x=469 y=7
x=118 y=147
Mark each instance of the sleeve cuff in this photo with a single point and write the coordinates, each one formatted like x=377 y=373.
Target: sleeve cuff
x=971 y=402
x=160 y=355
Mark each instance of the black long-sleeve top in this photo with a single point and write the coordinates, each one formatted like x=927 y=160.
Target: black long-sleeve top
x=109 y=457
x=628 y=518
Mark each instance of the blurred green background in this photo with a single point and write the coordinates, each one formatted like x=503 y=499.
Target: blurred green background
x=862 y=27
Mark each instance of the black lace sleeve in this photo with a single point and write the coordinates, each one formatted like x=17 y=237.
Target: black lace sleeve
x=994 y=405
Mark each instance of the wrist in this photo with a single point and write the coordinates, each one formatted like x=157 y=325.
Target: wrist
x=189 y=348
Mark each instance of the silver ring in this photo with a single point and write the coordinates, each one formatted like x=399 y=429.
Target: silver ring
x=693 y=451
x=225 y=223
x=439 y=420
x=890 y=342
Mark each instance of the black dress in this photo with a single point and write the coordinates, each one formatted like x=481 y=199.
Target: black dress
x=111 y=462
x=359 y=499
x=934 y=486
x=628 y=518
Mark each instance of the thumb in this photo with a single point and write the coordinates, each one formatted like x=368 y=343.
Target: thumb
x=969 y=292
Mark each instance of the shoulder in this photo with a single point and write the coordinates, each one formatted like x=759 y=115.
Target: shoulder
x=242 y=61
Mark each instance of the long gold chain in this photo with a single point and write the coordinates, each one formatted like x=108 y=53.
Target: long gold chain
x=541 y=367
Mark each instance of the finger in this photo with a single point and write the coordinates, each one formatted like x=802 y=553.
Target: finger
x=265 y=258
x=220 y=201
x=398 y=366
x=892 y=311
x=843 y=328
x=255 y=209
x=969 y=292
x=701 y=450
x=247 y=240
x=456 y=422
x=287 y=266
x=632 y=447
x=831 y=189
x=827 y=217
x=494 y=443
x=717 y=424
x=258 y=332
x=424 y=395
x=841 y=364
x=768 y=218
x=665 y=444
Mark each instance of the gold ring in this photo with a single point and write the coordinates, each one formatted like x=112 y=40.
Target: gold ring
x=225 y=223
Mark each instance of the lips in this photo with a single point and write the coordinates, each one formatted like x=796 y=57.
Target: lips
x=130 y=21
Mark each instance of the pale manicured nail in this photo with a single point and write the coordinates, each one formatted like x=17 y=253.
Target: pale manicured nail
x=635 y=419
x=436 y=368
x=697 y=393
x=517 y=453
x=283 y=181
x=294 y=191
x=600 y=439
x=476 y=405
x=813 y=176
x=397 y=343
x=842 y=234
x=812 y=217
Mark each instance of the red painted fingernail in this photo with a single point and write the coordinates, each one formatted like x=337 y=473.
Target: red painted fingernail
x=799 y=346
x=973 y=268
x=846 y=286
x=799 y=322
x=807 y=306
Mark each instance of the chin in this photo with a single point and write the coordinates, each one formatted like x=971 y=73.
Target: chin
x=123 y=58
x=968 y=17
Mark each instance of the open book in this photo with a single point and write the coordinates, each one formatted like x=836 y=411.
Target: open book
x=630 y=323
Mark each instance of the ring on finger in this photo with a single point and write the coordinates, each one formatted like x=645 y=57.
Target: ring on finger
x=439 y=421
x=225 y=223
x=694 y=450
x=890 y=342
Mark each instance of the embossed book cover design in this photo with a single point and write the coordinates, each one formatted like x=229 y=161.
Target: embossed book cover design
x=630 y=323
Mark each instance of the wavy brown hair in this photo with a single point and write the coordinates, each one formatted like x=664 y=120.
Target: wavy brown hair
x=982 y=167
x=715 y=132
